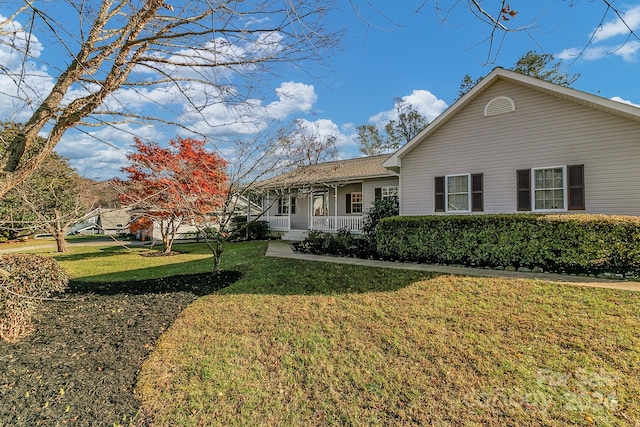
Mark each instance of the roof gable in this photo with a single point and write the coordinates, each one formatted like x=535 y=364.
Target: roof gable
x=500 y=74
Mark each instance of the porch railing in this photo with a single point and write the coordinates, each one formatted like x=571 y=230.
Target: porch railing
x=275 y=222
x=318 y=223
x=335 y=223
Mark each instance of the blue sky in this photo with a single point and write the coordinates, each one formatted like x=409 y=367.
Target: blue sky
x=420 y=56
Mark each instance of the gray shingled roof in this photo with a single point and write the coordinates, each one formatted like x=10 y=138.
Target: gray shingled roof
x=336 y=171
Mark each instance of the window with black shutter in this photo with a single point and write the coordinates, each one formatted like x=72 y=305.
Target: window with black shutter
x=477 y=194
x=439 y=202
x=378 y=193
x=524 y=189
x=576 y=187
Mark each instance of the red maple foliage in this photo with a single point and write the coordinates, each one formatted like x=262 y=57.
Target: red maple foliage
x=174 y=183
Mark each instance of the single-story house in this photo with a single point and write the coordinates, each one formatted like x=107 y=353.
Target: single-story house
x=515 y=143
x=103 y=221
x=239 y=205
x=329 y=196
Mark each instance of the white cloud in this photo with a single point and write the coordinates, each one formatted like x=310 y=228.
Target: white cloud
x=615 y=33
x=624 y=101
x=423 y=101
x=628 y=51
x=617 y=27
x=22 y=82
x=324 y=128
x=100 y=154
x=293 y=98
x=250 y=116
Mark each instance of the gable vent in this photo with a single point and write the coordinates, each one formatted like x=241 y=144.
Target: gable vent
x=499 y=105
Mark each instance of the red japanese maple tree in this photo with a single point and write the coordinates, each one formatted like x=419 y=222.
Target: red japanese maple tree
x=169 y=186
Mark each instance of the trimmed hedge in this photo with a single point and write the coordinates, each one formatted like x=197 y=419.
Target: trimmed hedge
x=26 y=280
x=254 y=230
x=342 y=244
x=582 y=244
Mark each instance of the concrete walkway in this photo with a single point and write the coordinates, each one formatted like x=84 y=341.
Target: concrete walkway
x=282 y=249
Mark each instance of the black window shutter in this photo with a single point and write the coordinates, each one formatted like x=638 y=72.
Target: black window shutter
x=292 y=205
x=477 y=195
x=576 y=187
x=439 y=193
x=524 y=189
x=378 y=193
x=349 y=203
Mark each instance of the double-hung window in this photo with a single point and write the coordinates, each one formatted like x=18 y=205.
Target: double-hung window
x=283 y=205
x=356 y=202
x=389 y=192
x=549 y=189
x=458 y=193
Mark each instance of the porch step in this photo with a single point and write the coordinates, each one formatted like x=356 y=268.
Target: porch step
x=295 y=235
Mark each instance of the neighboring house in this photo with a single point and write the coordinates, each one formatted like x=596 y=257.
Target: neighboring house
x=329 y=196
x=103 y=221
x=518 y=144
x=114 y=221
x=239 y=205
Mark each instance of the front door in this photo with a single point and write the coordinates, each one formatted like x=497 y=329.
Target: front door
x=319 y=207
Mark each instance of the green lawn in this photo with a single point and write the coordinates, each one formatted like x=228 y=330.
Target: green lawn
x=309 y=343
x=118 y=263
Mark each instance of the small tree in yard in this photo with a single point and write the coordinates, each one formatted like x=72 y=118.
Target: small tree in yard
x=171 y=185
x=382 y=208
x=52 y=199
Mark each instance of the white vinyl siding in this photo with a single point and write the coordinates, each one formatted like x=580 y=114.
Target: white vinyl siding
x=543 y=130
x=369 y=189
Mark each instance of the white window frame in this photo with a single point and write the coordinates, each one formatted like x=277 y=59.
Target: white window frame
x=284 y=205
x=389 y=192
x=446 y=193
x=361 y=203
x=565 y=200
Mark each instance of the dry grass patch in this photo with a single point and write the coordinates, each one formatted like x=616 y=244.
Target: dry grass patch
x=444 y=351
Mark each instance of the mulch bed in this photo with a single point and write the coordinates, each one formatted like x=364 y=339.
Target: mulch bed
x=79 y=367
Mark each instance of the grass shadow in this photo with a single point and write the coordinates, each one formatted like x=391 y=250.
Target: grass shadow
x=277 y=276
x=246 y=270
x=198 y=284
x=101 y=252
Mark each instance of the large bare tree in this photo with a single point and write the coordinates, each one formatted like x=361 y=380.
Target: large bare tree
x=197 y=53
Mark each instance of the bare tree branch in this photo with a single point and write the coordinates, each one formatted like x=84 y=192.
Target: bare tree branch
x=191 y=52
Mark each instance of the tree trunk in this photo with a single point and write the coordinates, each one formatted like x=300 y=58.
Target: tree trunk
x=168 y=244
x=217 y=254
x=61 y=243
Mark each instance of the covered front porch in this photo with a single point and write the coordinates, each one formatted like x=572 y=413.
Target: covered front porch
x=330 y=209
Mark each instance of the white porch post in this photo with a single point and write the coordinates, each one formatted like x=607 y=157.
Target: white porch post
x=268 y=205
x=310 y=204
x=335 y=209
x=289 y=211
